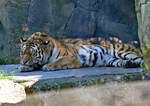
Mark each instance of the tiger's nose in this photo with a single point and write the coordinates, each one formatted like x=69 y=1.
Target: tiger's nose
x=24 y=60
x=21 y=62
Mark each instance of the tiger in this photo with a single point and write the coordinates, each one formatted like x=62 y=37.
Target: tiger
x=43 y=52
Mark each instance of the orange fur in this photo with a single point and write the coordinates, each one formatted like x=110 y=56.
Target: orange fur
x=41 y=51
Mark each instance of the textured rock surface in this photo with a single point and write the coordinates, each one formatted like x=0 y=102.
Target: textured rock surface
x=13 y=16
x=67 y=18
x=11 y=92
x=69 y=73
x=43 y=81
x=143 y=15
x=111 y=94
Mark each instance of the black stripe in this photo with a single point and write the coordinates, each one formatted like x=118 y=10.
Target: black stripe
x=137 y=58
x=128 y=49
x=120 y=56
x=114 y=51
x=51 y=52
x=39 y=52
x=102 y=50
x=101 y=56
x=42 y=54
x=126 y=55
x=95 y=58
x=84 y=59
x=122 y=48
x=118 y=64
x=76 y=51
x=113 y=61
x=65 y=53
x=90 y=56
x=106 y=50
x=110 y=62
x=83 y=48
x=58 y=54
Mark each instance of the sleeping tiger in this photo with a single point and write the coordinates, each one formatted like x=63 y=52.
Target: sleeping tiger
x=41 y=51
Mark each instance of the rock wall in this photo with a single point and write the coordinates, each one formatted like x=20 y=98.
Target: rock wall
x=143 y=16
x=65 y=18
x=109 y=94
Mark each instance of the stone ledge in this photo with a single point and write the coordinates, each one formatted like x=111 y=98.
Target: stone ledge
x=90 y=71
x=38 y=80
x=111 y=94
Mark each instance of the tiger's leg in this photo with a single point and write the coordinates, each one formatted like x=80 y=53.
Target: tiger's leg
x=117 y=62
x=63 y=63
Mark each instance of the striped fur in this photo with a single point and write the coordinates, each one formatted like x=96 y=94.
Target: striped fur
x=43 y=52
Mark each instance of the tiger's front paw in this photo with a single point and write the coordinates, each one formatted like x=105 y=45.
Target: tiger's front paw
x=47 y=68
x=24 y=68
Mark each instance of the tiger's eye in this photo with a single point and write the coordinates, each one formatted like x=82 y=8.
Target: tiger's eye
x=46 y=42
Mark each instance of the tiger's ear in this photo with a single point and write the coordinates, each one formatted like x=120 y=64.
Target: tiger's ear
x=23 y=40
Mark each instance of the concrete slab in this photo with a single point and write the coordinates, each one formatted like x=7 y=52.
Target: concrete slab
x=83 y=72
x=44 y=81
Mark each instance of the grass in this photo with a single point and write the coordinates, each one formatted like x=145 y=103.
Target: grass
x=2 y=62
x=7 y=61
x=9 y=76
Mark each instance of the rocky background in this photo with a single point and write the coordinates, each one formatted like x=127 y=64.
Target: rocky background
x=143 y=16
x=65 y=19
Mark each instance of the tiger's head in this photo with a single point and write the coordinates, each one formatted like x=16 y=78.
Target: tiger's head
x=36 y=49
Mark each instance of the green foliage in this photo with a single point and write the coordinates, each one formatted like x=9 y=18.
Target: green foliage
x=9 y=76
x=2 y=61
x=7 y=61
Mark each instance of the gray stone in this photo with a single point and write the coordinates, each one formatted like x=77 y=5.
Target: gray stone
x=42 y=81
x=110 y=94
x=11 y=92
x=81 y=24
x=82 y=72
x=143 y=16
x=13 y=16
x=49 y=16
x=117 y=18
x=67 y=18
